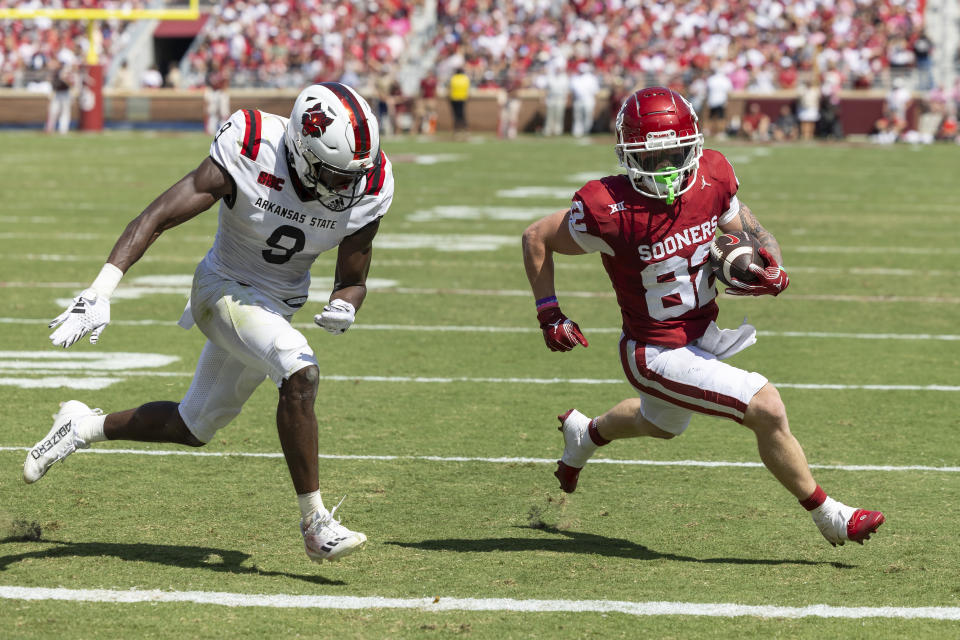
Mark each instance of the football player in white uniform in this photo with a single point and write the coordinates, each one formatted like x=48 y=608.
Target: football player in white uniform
x=289 y=189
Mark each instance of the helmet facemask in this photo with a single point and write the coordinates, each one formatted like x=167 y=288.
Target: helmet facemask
x=662 y=166
x=337 y=189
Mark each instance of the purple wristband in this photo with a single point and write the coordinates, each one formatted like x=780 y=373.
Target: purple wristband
x=547 y=303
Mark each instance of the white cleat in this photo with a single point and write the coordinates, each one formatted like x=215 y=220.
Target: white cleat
x=839 y=523
x=324 y=538
x=577 y=449
x=61 y=441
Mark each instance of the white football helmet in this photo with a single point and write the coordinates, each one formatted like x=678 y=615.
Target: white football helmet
x=332 y=141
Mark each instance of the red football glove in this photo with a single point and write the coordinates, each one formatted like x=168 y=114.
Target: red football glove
x=559 y=332
x=770 y=280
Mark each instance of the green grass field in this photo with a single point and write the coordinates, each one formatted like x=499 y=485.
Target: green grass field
x=437 y=411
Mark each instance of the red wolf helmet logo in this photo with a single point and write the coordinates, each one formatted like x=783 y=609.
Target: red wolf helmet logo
x=315 y=121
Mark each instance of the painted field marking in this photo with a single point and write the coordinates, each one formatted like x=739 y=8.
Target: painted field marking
x=501 y=460
x=443 y=604
x=467 y=241
x=87 y=370
x=386 y=286
x=488 y=264
x=484 y=329
x=509 y=380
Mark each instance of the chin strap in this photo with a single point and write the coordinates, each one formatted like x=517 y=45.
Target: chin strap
x=668 y=180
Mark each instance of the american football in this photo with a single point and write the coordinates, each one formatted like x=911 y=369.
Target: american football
x=731 y=255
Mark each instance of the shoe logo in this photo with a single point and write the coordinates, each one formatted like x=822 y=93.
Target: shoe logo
x=52 y=441
x=331 y=544
x=863 y=517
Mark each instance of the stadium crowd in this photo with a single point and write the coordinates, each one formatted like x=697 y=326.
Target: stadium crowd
x=704 y=49
x=30 y=49
x=285 y=44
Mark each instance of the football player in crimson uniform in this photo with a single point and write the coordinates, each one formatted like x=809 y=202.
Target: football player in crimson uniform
x=288 y=189
x=653 y=227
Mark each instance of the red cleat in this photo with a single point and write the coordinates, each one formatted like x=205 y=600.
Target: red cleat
x=568 y=476
x=862 y=523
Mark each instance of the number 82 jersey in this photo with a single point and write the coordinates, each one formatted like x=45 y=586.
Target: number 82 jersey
x=272 y=229
x=657 y=255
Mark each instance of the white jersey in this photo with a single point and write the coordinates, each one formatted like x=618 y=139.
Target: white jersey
x=271 y=231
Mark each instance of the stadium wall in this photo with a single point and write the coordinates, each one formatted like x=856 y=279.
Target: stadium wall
x=169 y=107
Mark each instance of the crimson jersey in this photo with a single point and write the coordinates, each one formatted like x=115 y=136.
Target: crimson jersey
x=657 y=254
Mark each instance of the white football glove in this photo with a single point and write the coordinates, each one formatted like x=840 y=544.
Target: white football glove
x=337 y=316
x=88 y=313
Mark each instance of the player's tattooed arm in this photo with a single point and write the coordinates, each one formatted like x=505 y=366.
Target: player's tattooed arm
x=752 y=226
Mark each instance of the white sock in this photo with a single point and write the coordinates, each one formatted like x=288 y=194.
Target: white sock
x=90 y=429
x=310 y=502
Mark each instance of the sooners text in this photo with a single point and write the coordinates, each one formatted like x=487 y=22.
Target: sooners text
x=671 y=244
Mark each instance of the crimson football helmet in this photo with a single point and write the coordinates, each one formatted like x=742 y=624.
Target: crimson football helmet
x=659 y=142
x=332 y=141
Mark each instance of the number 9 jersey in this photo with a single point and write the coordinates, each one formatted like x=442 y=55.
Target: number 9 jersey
x=272 y=228
x=657 y=254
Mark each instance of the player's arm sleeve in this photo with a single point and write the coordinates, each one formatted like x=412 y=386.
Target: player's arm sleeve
x=585 y=230
x=379 y=197
x=727 y=180
x=228 y=142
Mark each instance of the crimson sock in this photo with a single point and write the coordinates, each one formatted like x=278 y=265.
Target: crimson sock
x=598 y=439
x=816 y=499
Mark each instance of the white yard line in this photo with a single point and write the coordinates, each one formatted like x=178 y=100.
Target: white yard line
x=439 y=242
x=502 y=460
x=518 y=293
x=511 y=380
x=486 y=264
x=443 y=604
x=483 y=329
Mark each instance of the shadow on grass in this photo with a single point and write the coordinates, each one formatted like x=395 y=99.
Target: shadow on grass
x=184 y=557
x=587 y=543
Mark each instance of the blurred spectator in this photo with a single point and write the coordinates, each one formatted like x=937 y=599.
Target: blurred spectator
x=216 y=98
x=584 y=86
x=829 y=125
x=151 y=78
x=929 y=121
x=427 y=105
x=402 y=109
x=386 y=102
x=556 y=88
x=174 y=79
x=887 y=128
x=787 y=76
x=509 y=99
x=922 y=49
x=458 y=94
x=123 y=79
x=718 y=92
x=898 y=99
x=808 y=109
x=785 y=128
x=755 y=125
x=58 y=112
x=697 y=93
x=948 y=129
